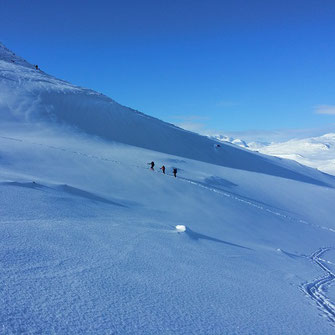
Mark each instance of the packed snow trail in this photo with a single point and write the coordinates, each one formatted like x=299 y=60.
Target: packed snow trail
x=315 y=289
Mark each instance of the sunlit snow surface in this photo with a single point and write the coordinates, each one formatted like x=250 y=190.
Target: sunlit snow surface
x=89 y=240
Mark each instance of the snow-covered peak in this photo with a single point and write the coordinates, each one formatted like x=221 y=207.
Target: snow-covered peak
x=236 y=141
x=222 y=138
x=10 y=57
x=240 y=143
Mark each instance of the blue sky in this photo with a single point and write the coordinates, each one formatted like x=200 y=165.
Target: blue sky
x=223 y=66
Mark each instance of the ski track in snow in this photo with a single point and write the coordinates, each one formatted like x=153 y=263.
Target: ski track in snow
x=199 y=184
x=256 y=205
x=316 y=288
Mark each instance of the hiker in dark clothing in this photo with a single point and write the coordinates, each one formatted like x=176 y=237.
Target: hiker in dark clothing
x=163 y=169
x=36 y=66
x=152 y=164
x=175 y=172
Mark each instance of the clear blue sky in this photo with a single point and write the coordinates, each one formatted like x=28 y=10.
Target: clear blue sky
x=228 y=65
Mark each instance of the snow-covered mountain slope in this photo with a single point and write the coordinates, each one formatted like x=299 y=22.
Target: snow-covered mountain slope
x=88 y=232
x=30 y=95
x=317 y=152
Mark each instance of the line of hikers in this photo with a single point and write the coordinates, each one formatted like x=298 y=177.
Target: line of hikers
x=152 y=164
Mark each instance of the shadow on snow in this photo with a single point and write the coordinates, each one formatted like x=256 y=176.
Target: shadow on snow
x=67 y=189
x=197 y=236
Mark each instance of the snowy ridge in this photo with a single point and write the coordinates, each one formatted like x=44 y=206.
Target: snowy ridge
x=10 y=57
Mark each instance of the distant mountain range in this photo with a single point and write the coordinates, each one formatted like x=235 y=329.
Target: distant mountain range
x=317 y=152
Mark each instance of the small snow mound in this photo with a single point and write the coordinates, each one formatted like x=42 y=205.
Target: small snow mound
x=180 y=228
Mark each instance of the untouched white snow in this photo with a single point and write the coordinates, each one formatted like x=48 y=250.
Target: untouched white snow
x=89 y=237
